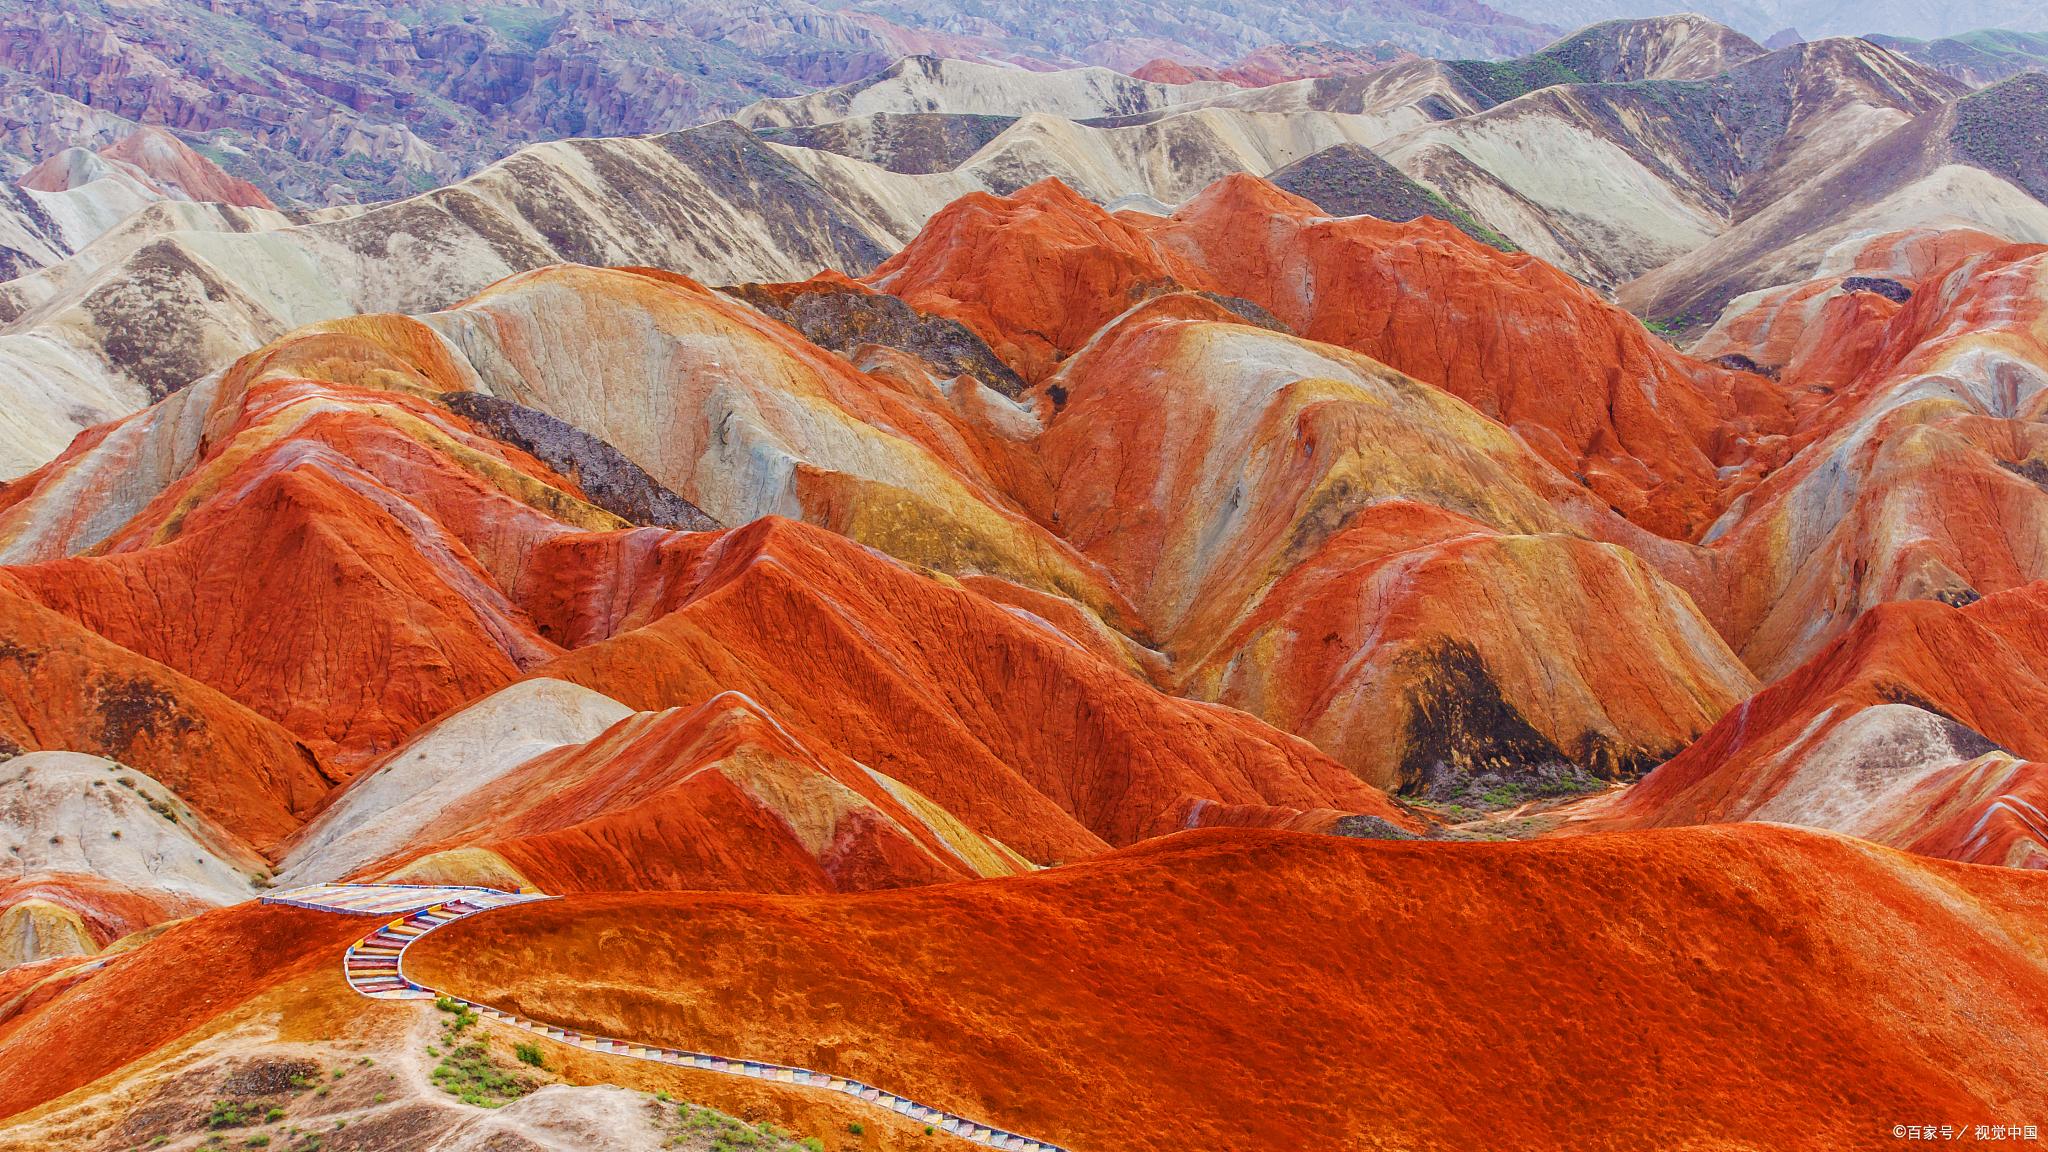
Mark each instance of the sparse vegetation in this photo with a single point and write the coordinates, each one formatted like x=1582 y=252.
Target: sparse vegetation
x=467 y=1071
x=2003 y=130
x=690 y=1128
x=1502 y=80
x=1469 y=797
x=529 y=1054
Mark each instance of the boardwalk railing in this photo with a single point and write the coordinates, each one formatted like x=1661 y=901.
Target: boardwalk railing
x=375 y=967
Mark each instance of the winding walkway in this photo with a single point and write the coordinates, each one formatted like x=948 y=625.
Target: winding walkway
x=375 y=967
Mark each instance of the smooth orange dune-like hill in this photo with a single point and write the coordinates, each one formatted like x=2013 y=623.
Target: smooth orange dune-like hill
x=1276 y=991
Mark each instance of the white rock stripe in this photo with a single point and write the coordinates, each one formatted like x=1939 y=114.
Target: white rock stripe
x=375 y=967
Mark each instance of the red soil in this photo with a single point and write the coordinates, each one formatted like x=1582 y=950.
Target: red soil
x=1984 y=666
x=298 y=575
x=164 y=161
x=1278 y=991
x=191 y=974
x=108 y=910
x=1005 y=722
x=1034 y=274
x=720 y=797
x=167 y=161
x=1592 y=391
x=63 y=687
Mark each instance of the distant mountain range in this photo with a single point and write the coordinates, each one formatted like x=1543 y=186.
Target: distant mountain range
x=370 y=101
x=356 y=102
x=1674 y=163
x=1761 y=18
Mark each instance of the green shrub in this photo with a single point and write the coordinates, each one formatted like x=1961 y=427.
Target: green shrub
x=529 y=1054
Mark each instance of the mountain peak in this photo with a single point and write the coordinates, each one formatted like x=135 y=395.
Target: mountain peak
x=1681 y=47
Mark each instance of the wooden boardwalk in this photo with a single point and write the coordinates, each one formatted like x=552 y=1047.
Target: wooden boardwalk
x=375 y=967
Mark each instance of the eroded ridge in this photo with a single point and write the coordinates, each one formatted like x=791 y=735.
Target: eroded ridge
x=375 y=967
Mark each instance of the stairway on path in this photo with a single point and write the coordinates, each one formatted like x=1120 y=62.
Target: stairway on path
x=374 y=967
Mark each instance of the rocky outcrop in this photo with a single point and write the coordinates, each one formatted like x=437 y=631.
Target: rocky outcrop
x=840 y=314
x=611 y=481
x=1349 y=180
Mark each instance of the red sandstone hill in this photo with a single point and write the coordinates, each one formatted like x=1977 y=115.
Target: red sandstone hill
x=1591 y=390
x=1005 y=723
x=63 y=686
x=1918 y=727
x=353 y=561
x=1362 y=532
x=1070 y=539
x=1129 y=1002
x=1913 y=471
x=161 y=162
x=1386 y=996
x=1279 y=63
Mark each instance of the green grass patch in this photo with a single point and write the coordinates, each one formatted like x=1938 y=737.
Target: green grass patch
x=690 y=1128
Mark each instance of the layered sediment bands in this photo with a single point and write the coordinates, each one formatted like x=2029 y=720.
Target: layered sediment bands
x=1911 y=478
x=1307 y=523
x=1244 y=450
x=1595 y=395
x=1667 y=951
x=78 y=914
x=1641 y=426
x=1034 y=274
x=716 y=797
x=334 y=539
x=294 y=599
x=607 y=477
x=1014 y=728
x=841 y=314
x=1488 y=653
x=154 y=157
x=1916 y=727
x=744 y=418
x=65 y=687
x=57 y=1040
